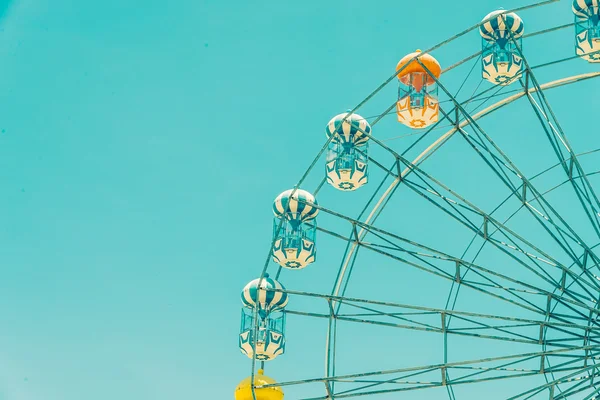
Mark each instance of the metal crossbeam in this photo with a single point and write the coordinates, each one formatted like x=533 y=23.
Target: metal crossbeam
x=574 y=294
x=419 y=318
x=552 y=219
x=471 y=371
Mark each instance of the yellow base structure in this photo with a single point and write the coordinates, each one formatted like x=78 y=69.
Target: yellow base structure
x=244 y=389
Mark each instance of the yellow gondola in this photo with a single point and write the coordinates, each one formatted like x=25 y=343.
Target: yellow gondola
x=244 y=389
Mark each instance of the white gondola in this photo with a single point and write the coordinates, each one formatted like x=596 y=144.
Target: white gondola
x=587 y=29
x=294 y=229
x=263 y=307
x=347 y=155
x=501 y=40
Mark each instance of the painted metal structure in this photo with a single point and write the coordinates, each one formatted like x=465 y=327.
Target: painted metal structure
x=561 y=328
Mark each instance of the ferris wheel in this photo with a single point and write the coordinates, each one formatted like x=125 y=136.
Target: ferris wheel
x=467 y=259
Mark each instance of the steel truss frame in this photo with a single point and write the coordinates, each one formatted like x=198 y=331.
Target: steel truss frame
x=570 y=309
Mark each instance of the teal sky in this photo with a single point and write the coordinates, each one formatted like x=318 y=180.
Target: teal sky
x=141 y=147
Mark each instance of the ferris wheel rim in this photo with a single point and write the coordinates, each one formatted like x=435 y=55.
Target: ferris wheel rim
x=438 y=143
x=454 y=294
x=352 y=250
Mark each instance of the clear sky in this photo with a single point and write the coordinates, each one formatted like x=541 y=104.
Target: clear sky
x=141 y=147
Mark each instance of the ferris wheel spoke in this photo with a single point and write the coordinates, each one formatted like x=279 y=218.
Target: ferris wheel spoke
x=564 y=182
x=483 y=273
x=481 y=134
x=563 y=60
x=576 y=278
x=424 y=384
x=564 y=367
x=374 y=195
x=549 y=279
x=352 y=248
x=591 y=396
x=502 y=169
x=475 y=325
x=470 y=331
x=577 y=379
x=526 y=90
x=550 y=123
x=411 y=323
x=574 y=301
x=351 y=251
x=499 y=227
x=376 y=211
x=434 y=196
x=452 y=277
x=583 y=189
x=426 y=134
x=414 y=310
x=584 y=257
x=452 y=270
x=519 y=192
x=427 y=192
x=449 y=271
x=480 y=101
x=465 y=372
x=402 y=380
x=442 y=202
